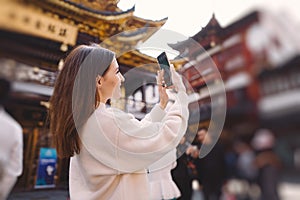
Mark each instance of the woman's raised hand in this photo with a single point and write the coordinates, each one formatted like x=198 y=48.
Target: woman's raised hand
x=163 y=96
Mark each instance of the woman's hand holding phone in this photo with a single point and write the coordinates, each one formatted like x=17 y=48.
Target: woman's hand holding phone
x=163 y=96
x=177 y=85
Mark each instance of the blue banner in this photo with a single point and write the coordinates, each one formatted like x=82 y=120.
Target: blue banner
x=46 y=168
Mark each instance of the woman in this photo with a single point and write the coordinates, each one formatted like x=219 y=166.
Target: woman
x=110 y=150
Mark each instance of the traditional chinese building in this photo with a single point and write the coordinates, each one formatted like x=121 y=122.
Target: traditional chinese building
x=280 y=96
x=240 y=51
x=35 y=37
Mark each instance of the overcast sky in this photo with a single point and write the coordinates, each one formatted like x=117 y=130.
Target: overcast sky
x=186 y=17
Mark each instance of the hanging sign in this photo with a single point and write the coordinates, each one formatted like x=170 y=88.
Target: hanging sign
x=46 y=168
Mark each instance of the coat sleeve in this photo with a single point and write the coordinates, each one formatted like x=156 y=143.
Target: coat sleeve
x=121 y=142
x=156 y=115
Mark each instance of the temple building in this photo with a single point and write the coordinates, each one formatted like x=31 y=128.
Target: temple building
x=239 y=56
x=257 y=57
x=35 y=37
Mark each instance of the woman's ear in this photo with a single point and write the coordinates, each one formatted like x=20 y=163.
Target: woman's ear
x=98 y=80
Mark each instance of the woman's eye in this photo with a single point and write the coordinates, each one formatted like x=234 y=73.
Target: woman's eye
x=117 y=71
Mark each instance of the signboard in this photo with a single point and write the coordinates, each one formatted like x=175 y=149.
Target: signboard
x=22 y=19
x=46 y=168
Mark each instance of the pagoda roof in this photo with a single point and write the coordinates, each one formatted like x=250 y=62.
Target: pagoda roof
x=88 y=18
x=128 y=39
x=212 y=28
x=75 y=8
x=242 y=22
x=157 y=23
x=94 y=9
x=83 y=22
x=107 y=5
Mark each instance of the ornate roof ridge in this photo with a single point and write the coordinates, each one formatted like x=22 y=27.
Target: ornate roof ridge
x=105 y=13
x=212 y=26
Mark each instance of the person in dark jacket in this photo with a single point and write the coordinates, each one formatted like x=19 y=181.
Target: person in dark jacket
x=211 y=168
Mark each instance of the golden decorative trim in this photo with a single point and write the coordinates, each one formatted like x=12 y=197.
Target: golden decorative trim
x=90 y=14
x=106 y=5
x=151 y=23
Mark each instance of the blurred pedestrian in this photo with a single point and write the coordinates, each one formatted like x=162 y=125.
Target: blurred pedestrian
x=246 y=170
x=268 y=164
x=212 y=167
x=11 y=145
x=181 y=173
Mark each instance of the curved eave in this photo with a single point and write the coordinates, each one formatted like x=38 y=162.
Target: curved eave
x=82 y=10
x=137 y=35
x=136 y=59
x=182 y=45
x=178 y=46
x=143 y=56
x=140 y=57
x=133 y=34
x=158 y=23
x=107 y=5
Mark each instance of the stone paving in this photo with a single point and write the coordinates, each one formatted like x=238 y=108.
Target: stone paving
x=40 y=195
x=287 y=191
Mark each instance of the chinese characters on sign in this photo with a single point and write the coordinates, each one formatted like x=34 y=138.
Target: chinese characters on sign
x=16 y=18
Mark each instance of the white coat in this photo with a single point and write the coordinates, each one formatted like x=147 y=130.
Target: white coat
x=117 y=150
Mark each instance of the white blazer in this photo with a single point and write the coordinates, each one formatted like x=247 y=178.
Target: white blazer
x=117 y=149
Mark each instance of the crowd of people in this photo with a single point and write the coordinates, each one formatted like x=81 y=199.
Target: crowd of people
x=246 y=169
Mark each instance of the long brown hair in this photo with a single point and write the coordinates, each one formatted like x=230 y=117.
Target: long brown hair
x=73 y=99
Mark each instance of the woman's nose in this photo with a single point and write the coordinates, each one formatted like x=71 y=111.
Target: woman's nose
x=121 y=77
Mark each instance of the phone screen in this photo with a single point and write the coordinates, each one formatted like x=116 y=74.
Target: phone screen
x=165 y=65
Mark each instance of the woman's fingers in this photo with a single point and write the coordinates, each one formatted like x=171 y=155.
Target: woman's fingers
x=160 y=78
x=163 y=96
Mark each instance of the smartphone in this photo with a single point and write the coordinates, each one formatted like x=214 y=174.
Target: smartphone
x=165 y=65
